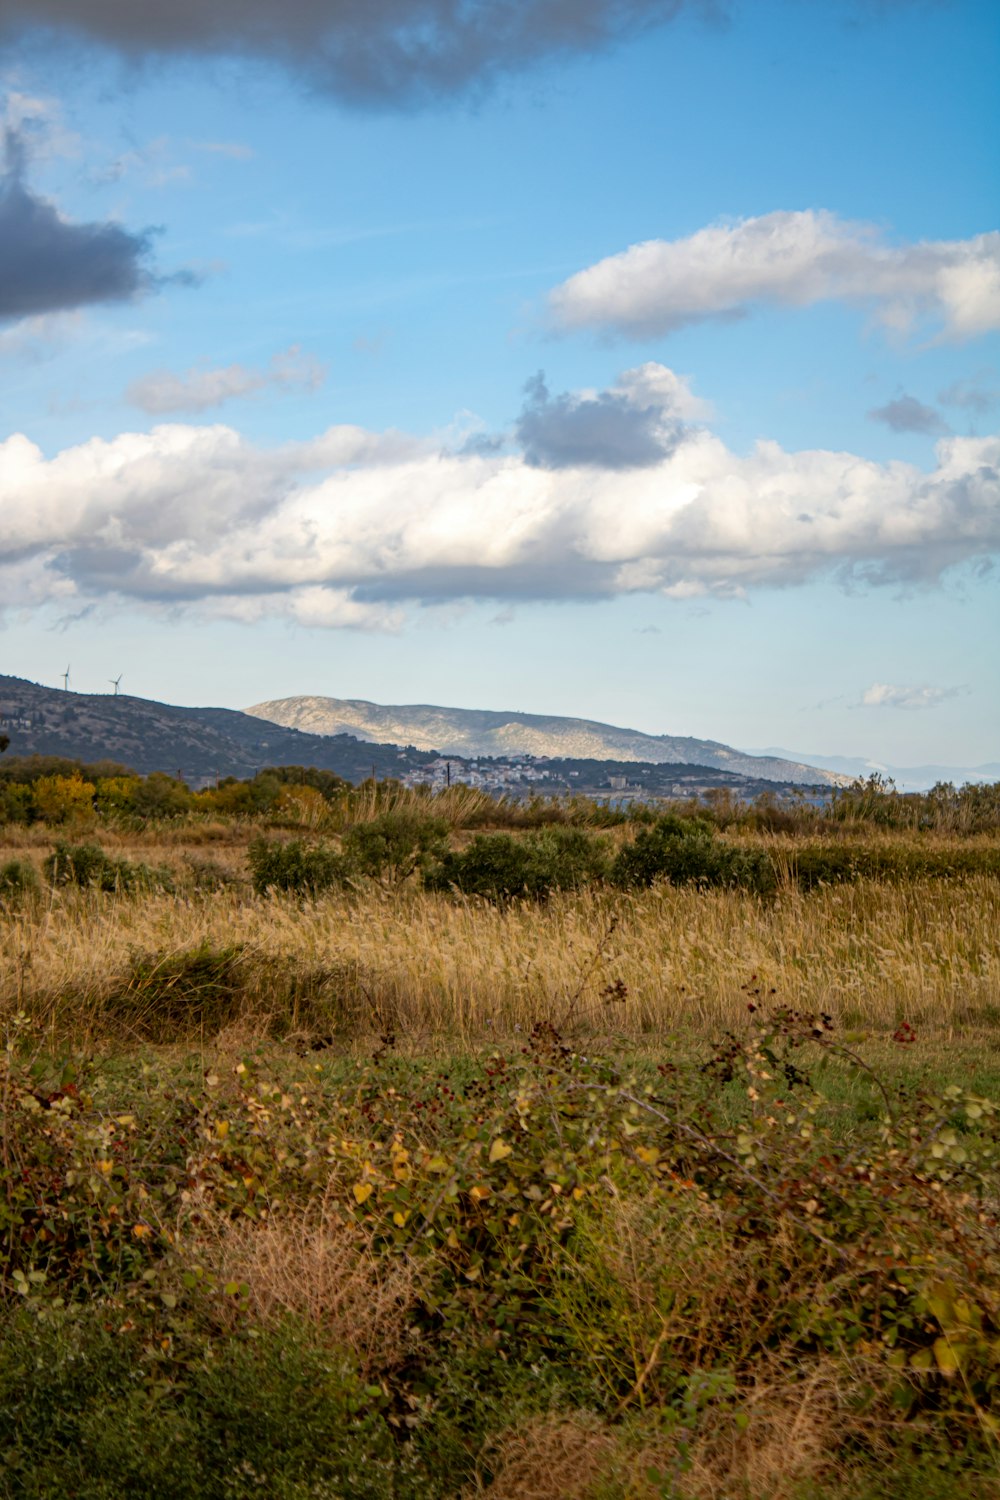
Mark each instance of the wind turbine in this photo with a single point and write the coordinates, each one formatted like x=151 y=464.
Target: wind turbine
x=115 y=682
x=65 y=678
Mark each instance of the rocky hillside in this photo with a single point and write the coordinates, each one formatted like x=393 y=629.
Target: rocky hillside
x=200 y=743
x=473 y=732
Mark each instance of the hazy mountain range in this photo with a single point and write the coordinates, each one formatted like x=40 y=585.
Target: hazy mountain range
x=472 y=732
x=906 y=778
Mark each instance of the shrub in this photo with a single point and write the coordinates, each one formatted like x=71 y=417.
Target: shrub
x=500 y=867
x=685 y=851
x=395 y=844
x=18 y=881
x=161 y=796
x=61 y=799
x=88 y=866
x=93 y=1411
x=296 y=867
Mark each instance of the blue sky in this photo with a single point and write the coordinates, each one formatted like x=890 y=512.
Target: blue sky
x=271 y=333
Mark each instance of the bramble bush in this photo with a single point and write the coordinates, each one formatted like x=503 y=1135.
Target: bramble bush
x=619 y=1231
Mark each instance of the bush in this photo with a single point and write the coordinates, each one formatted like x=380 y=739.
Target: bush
x=88 y=866
x=685 y=851
x=296 y=867
x=395 y=844
x=18 y=881
x=63 y=799
x=96 y=1413
x=500 y=867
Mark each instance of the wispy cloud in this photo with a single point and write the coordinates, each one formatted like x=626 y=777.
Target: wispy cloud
x=882 y=695
x=234 y=150
x=976 y=394
x=788 y=259
x=203 y=388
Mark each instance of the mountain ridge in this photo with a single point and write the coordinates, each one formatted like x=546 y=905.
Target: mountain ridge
x=475 y=732
x=200 y=743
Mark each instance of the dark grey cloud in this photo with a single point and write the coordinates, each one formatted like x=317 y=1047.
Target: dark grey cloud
x=394 y=52
x=907 y=414
x=610 y=430
x=49 y=264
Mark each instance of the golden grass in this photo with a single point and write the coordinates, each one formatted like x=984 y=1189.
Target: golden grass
x=420 y=963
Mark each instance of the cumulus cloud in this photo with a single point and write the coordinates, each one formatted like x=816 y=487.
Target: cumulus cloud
x=348 y=527
x=790 y=259
x=50 y=264
x=907 y=414
x=636 y=424
x=396 y=52
x=200 y=389
x=882 y=695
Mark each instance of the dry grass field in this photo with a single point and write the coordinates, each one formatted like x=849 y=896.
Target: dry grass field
x=665 y=1193
x=354 y=962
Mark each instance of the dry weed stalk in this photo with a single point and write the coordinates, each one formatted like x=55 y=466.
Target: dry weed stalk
x=319 y=1267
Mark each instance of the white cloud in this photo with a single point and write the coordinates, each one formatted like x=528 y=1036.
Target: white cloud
x=203 y=388
x=882 y=695
x=786 y=259
x=347 y=527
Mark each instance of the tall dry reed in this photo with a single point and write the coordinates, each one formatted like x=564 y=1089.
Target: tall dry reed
x=418 y=963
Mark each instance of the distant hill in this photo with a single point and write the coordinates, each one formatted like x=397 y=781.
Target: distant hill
x=201 y=743
x=483 y=732
x=906 y=778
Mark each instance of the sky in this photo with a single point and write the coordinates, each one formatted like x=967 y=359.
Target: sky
x=636 y=360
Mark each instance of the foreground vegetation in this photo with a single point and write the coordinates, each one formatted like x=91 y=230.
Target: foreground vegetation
x=378 y=1145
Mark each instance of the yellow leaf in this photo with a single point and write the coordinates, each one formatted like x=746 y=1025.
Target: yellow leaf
x=399 y=1218
x=499 y=1151
x=946 y=1356
x=648 y=1154
x=479 y=1192
x=362 y=1191
x=222 y=1129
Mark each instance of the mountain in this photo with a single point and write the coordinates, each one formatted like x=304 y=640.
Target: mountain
x=200 y=743
x=471 y=732
x=906 y=778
